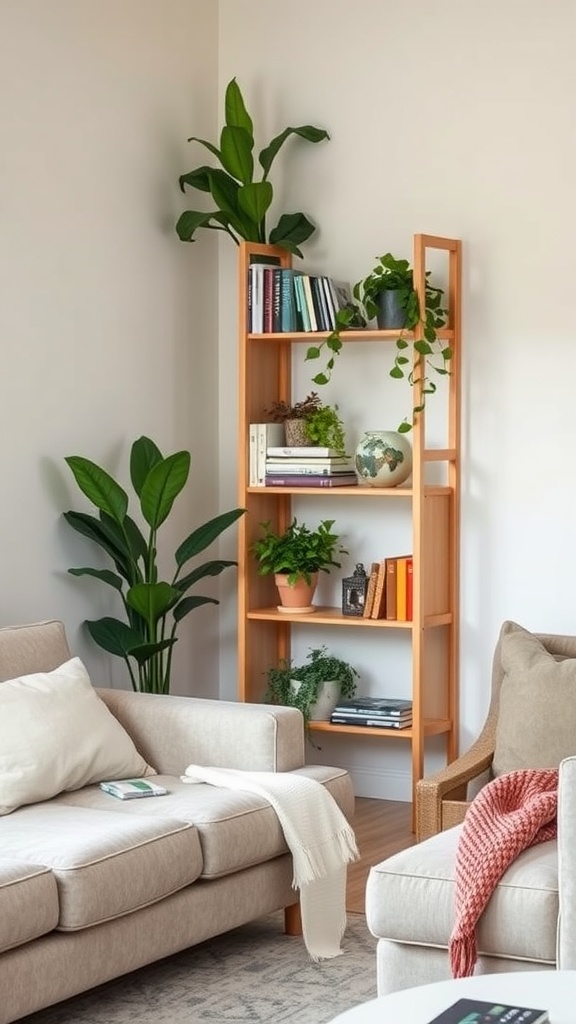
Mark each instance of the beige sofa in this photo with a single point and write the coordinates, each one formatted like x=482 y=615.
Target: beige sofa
x=530 y=920
x=92 y=887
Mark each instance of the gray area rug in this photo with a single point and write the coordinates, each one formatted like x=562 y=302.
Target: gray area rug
x=252 y=975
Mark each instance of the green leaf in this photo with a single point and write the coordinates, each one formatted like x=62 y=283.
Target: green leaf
x=89 y=526
x=114 y=636
x=234 y=108
x=189 y=222
x=105 y=575
x=198 y=179
x=320 y=378
x=206 y=534
x=334 y=343
x=401 y=343
x=188 y=605
x=225 y=191
x=143 y=652
x=255 y=199
x=291 y=230
x=423 y=348
x=396 y=372
x=236 y=146
x=144 y=455
x=152 y=600
x=209 y=145
x=99 y=487
x=130 y=544
x=305 y=131
x=213 y=568
x=162 y=485
x=313 y=352
x=404 y=427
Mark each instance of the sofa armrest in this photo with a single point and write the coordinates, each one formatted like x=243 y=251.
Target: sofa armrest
x=172 y=732
x=566 y=951
x=432 y=792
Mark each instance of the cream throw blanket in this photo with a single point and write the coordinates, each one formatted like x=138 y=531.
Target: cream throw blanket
x=319 y=838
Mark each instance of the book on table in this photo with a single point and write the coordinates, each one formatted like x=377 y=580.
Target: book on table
x=478 y=1011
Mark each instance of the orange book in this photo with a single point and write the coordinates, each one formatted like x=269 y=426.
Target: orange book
x=391 y=588
x=409 y=589
x=371 y=590
x=401 y=578
x=379 y=606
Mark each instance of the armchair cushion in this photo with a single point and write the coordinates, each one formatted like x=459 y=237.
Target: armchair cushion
x=537 y=721
x=57 y=734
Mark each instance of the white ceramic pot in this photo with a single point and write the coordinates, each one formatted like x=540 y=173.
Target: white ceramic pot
x=328 y=698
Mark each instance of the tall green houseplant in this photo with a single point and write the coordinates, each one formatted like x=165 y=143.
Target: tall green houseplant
x=241 y=201
x=154 y=608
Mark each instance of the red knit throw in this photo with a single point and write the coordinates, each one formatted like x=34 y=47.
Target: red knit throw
x=509 y=814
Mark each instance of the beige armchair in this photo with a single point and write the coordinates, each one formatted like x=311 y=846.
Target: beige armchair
x=443 y=798
x=530 y=920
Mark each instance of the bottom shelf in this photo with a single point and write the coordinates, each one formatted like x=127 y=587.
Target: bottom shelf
x=432 y=727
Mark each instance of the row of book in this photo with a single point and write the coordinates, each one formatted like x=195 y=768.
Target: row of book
x=389 y=594
x=282 y=299
x=378 y=712
x=308 y=467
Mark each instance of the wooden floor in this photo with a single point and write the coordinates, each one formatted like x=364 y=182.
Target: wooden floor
x=382 y=827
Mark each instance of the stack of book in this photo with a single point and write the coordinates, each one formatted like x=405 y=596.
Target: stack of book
x=382 y=712
x=390 y=589
x=309 y=467
x=281 y=299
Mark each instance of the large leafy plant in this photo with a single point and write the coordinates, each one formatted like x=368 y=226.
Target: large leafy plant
x=153 y=607
x=241 y=201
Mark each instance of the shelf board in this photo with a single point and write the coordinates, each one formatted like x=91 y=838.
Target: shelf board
x=333 y=617
x=357 y=489
x=444 y=333
x=431 y=727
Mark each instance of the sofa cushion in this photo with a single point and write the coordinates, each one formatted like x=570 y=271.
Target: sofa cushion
x=237 y=829
x=106 y=865
x=410 y=898
x=57 y=734
x=538 y=690
x=28 y=902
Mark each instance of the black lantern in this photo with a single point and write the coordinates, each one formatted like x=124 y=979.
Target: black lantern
x=354 y=591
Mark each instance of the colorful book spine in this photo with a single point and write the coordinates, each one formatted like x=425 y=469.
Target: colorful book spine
x=409 y=589
x=369 y=602
x=391 y=588
x=289 y=317
x=309 y=301
x=301 y=469
x=304 y=451
x=401 y=578
x=379 y=606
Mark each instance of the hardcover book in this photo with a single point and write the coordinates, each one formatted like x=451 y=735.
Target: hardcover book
x=310 y=480
x=260 y=436
x=391 y=588
x=305 y=452
x=365 y=720
x=375 y=705
x=301 y=468
x=379 y=605
x=369 y=602
x=477 y=1011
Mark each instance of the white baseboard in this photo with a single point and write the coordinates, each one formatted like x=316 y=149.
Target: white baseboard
x=381 y=785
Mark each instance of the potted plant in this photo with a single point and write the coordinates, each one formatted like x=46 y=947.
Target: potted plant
x=295 y=557
x=315 y=687
x=387 y=294
x=310 y=422
x=241 y=202
x=153 y=608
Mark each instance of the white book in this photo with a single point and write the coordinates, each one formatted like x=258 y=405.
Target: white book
x=261 y=435
x=130 y=789
x=304 y=451
x=302 y=468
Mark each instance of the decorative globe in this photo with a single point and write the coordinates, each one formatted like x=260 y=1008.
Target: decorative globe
x=383 y=458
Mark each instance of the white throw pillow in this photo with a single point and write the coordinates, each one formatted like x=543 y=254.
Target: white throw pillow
x=57 y=734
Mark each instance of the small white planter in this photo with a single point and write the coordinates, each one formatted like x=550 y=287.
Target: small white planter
x=327 y=700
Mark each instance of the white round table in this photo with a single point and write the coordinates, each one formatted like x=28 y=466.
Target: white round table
x=554 y=991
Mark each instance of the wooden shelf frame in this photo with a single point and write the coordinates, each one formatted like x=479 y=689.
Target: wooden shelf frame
x=264 y=633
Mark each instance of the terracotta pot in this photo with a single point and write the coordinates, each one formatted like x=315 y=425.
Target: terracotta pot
x=296 y=597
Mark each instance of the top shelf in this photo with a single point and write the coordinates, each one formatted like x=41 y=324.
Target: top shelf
x=445 y=333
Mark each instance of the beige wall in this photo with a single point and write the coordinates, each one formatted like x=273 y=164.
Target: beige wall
x=453 y=118
x=108 y=324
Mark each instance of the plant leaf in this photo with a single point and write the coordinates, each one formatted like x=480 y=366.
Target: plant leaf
x=152 y=600
x=114 y=636
x=188 y=605
x=204 y=535
x=144 y=455
x=99 y=487
x=291 y=230
x=189 y=221
x=305 y=131
x=235 y=109
x=89 y=526
x=208 y=569
x=209 y=145
x=198 y=178
x=162 y=485
x=236 y=146
x=105 y=575
x=143 y=652
x=255 y=199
